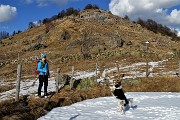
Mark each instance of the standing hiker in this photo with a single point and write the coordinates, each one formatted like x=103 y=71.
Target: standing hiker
x=43 y=69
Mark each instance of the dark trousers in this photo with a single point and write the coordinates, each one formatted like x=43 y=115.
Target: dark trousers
x=43 y=79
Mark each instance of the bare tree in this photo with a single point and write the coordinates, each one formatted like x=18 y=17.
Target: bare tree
x=3 y=35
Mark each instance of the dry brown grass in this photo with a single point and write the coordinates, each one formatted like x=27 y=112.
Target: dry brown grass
x=32 y=108
x=157 y=84
x=6 y=88
x=11 y=110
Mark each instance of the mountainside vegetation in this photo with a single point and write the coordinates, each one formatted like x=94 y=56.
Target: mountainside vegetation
x=158 y=28
x=82 y=38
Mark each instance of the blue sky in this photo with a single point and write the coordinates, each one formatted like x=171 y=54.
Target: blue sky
x=33 y=11
x=16 y=14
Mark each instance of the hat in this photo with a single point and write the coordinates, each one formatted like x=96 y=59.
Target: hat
x=43 y=56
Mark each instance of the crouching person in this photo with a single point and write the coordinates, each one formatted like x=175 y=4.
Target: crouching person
x=119 y=93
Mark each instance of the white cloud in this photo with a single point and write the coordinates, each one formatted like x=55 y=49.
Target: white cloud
x=62 y=2
x=7 y=13
x=37 y=2
x=28 y=1
x=42 y=2
x=47 y=2
x=157 y=10
x=37 y=23
x=178 y=34
x=174 y=17
x=4 y=27
x=58 y=2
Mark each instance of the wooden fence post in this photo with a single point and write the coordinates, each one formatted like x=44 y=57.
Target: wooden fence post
x=103 y=74
x=179 y=69
x=96 y=71
x=72 y=77
x=147 y=68
x=57 y=80
x=147 y=64
x=19 y=70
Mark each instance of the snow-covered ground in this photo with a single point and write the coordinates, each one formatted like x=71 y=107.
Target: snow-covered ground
x=146 y=106
x=134 y=71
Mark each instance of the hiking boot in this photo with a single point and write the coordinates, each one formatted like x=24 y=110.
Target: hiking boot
x=45 y=94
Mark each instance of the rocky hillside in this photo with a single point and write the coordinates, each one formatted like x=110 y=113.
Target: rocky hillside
x=81 y=41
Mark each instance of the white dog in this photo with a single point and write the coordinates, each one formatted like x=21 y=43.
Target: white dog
x=121 y=105
x=131 y=102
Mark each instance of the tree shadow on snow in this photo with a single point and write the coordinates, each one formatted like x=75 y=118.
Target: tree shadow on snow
x=72 y=118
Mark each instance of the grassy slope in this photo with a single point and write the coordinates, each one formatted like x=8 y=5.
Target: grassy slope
x=99 y=36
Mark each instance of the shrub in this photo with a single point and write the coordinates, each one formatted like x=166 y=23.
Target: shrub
x=86 y=84
x=90 y=6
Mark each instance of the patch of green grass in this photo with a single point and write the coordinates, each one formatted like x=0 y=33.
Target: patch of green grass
x=87 y=83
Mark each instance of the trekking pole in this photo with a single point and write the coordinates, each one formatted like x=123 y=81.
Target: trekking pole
x=34 y=81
